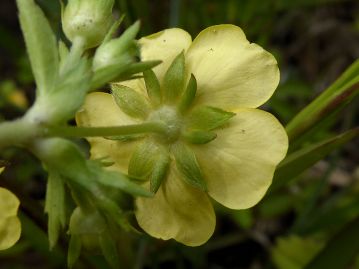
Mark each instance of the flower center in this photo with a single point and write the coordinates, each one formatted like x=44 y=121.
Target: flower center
x=171 y=118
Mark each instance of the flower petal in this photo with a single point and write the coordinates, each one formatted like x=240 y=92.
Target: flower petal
x=10 y=230
x=177 y=211
x=165 y=46
x=9 y=203
x=99 y=110
x=231 y=72
x=243 y=158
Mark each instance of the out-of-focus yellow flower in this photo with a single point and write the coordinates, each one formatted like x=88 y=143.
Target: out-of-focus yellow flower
x=10 y=226
x=236 y=162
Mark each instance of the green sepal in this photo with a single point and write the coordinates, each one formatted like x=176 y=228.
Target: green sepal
x=111 y=32
x=159 y=172
x=188 y=166
x=143 y=159
x=188 y=95
x=55 y=206
x=41 y=45
x=173 y=82
x=119 y=72
x=199 y=137
x=131 y=102
x=74 y=251
x=153 y=87
x=208 y=118
x=109 y=249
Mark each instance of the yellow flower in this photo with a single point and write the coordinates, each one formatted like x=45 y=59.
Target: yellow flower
x=223 y=147
x=10 y=226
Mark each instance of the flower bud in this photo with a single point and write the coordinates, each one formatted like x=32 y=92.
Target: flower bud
x=88 y=20
x=119 y=50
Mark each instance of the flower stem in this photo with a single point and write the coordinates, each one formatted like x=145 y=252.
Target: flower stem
x=69 y=131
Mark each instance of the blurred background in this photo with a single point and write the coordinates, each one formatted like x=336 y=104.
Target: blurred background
x=314 y=41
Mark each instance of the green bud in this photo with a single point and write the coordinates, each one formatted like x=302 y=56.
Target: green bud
x=88 y=20
x=119 y=50
x=208 y=118
x=131 y=102
x=188 y=166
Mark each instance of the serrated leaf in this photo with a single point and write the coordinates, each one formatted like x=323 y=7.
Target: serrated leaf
x=55 y=206
x=188 y=95
x=173 y=81
x=153 y=87
x=297 y=162
x=188 y=166
x=41 y=45
x=208 y=118
x=131 y=102
x=332 y=100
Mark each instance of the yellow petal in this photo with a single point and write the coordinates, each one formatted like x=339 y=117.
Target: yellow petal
x=243 y=158
x=9 y=204
x=177 y=211
x=1 y=169
x=99 y=110
x=231 y=72
x=165 y=46
x=10 y=230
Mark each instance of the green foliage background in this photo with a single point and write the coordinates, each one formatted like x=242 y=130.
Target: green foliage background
x=314 y=42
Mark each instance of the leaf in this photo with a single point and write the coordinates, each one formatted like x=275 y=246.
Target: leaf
x=332 y=100
x=74 y=250
x=174 y=79
x=130 y=101
x=55 y=206
x=208 y=118
x=341 y=249
x=188 y=166
x=109 y=249
x=41 y=45
x=297 y=162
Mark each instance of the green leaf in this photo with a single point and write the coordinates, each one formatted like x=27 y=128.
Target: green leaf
x=341 y=249
x=153 y=87
x=174 y=79
x=199 y=137
x=143 y=159
x=41 y=45
x=74 y=250
x=130 y=101
x=188 y=166
x=159 y=172
x=294 y=252
x=55 y=206
x=109 y=249
x=188 y=95
x=208 y=118
x=297 y=162
x=332 y=100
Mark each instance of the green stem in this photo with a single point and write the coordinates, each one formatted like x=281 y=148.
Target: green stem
x=68 y=131
x=16 y=133
x=77 y=49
